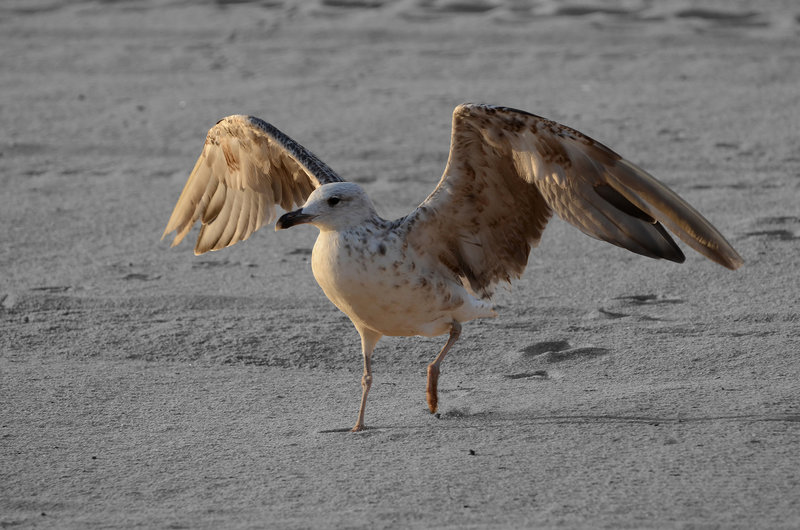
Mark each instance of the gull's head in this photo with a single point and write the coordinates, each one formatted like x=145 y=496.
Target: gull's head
x=336 y=206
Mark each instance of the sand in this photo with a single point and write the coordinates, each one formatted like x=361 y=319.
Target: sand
x=141 y=386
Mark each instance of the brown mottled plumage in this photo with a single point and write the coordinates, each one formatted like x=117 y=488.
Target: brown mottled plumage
x=428 y=272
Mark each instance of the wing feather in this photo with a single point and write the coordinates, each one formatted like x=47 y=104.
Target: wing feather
x=215 y=203
x=509 y=170
x=246 y=168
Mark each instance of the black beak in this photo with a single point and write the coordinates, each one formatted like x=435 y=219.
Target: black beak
x=290 y=219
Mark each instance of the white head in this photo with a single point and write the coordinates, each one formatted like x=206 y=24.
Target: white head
x=335 y=206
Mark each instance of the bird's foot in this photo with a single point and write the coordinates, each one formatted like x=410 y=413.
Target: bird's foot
x=433 y=383
x=358 y=427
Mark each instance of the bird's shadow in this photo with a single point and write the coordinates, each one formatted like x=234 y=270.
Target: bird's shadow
x=343 y=429
x=462 y=420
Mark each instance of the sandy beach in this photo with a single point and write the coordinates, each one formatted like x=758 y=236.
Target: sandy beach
x=144 y=387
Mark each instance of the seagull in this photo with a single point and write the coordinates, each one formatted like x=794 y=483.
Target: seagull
x=427 y=273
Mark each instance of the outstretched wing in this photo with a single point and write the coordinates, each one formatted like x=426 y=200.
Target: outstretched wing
x=246 y=168
x=508 y=172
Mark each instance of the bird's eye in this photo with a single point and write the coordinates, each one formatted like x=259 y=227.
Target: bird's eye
x=333 y=201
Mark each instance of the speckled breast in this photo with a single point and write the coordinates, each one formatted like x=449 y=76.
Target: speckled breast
x=378 y=282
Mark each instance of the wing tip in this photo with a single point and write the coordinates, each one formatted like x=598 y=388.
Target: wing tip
x=732 y=260
x=202 y=247
x=175 y=240
x=676 y=257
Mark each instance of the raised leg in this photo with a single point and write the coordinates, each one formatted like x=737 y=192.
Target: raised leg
x=369 y=339
x=433 y=368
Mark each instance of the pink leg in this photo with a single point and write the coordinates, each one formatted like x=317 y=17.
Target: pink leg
x=433 y=368
x=369 y=339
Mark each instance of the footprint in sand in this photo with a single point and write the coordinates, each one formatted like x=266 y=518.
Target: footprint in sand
x=723 y=18
x=141 y=276
x=603 y=313
x=648 y=299
x=540 y=348
x=556 y=352
x=355 y=4
x=52 y=288
x=583 y=10
x=781 y=228
x=629 y=306
x=209 y=264
x=575 y=353
x=537 y=374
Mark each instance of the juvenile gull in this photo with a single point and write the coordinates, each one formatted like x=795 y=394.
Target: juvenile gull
x=435 y=268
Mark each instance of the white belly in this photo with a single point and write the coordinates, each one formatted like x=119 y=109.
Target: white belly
x=384 y=287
